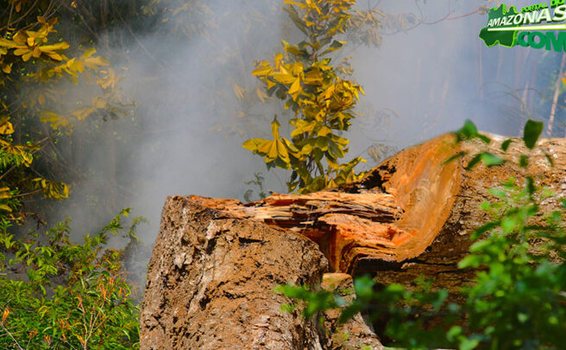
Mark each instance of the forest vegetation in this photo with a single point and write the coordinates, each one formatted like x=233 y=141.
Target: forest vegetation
x=63 y=66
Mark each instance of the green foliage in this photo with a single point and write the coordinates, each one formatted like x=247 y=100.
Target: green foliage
x=532 y=132
x=321 y=100
x=61 y=294
x=517 y=298
x=258 y=182
x=518 y=301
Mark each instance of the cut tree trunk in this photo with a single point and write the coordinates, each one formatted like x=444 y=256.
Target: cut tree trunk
x=211 y=281
x=216 y=260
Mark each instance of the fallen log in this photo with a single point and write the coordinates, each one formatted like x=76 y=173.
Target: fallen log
x=410 y=216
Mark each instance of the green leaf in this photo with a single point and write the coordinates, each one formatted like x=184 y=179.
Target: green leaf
x=468 y=130
x=469 y=344
x=530 y=185
x=498 y=193
x=491 y=160
x=473 y=162
x=509 y=224
x=294 y=15
x=505 y=145
x=469 y=261
x=549 y=159
x=454 y=157
x=522 y=317
x=532 y=132
x=523 y=161
x=479 y=246
x=453 y=333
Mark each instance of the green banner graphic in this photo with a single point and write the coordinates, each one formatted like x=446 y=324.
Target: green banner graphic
x=536 y=26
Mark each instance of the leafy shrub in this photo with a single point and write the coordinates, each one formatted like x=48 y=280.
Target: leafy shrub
x=64 y=295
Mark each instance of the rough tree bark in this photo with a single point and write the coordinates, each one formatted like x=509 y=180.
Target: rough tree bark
x=216 y=261
x=211 y=279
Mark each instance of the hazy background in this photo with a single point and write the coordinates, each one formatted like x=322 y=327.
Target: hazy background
x=186 y=132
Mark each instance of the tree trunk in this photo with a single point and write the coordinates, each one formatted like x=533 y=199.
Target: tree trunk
x=216 y=260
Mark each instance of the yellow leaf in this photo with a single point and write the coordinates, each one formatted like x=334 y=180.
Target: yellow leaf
x=20 y=38
x=6 y=128
x=9 y=210
x=95 y=62
x=290 y=2
x=263 y=70
x=295 y=89
x=5 y=193
x=89 y=52
x=275 y=128
x=54 y=56
x=252 y=144
x=83 y=113
x=6 y=68
x=269 y=148
x=78 y=66
x=58 y=46
x=49 y=117
x=292 y=149
x=7 y=43
x=26 y=57
x=324 y=131
x=278 y=59
x=282 y=152
x=284 y=78
x=307 y=149
x=270 y=83
x=36 y=52
x=302 y=127
x=313 y=76
x=297 y=68
x=21 y=51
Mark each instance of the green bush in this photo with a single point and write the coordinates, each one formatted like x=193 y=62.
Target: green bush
x=57 y=294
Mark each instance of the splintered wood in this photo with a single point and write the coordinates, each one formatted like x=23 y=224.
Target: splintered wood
x=409 y=215
x=391 y=215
